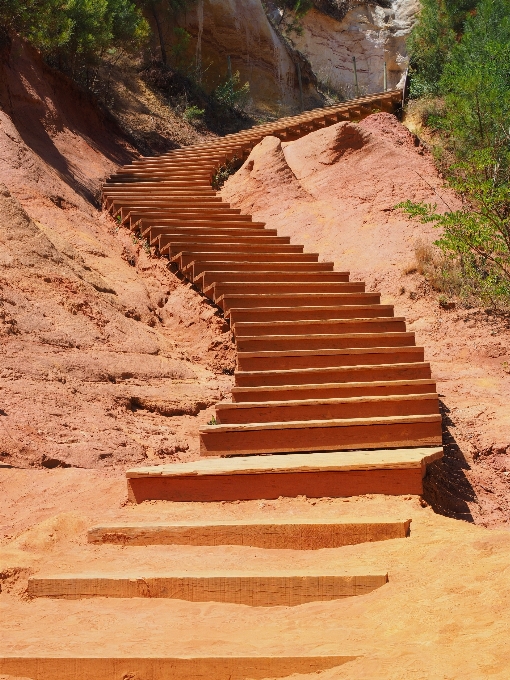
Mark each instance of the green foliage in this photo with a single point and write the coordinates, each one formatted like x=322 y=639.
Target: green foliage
x=476 y=85
x=474 y=124
x=231 y=94
x=292 y=11
x=74 y=31
x=193 y=114
x=439 y=24
x=180 y=46
x=479 y=232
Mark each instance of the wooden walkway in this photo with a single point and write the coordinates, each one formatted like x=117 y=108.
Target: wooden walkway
x=322 y=366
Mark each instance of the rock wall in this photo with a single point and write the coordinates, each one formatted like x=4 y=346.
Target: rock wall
x=371 y=33
x=240 y=29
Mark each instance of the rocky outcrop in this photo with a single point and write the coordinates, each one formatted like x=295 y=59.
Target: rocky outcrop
x=246 y=31
x=374 y=33
x=240 y=29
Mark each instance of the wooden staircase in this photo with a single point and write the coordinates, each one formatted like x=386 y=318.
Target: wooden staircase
x=328 y=383
x=324 y=371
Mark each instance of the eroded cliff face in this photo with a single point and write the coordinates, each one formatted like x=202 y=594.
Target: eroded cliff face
x=371 y=33
x=240 y=29
x=333 y=32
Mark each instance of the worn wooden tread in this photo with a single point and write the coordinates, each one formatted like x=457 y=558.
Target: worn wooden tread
x=308 y=424
x=104 y=666
x=222 y=406
x=341 y=461
x=285 y=533
x=332 y=352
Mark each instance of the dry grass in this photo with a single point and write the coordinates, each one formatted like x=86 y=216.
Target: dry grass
x=447 y=276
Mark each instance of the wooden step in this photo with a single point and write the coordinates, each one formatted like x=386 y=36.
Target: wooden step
x=279 y=343
x=324 y=474
x=151 y=231
x=270 y=589
x=325 y=358
x=184 y=258
x=326 y=409
x=157 y=219
x=141 y=665
x=227 y=248
x=168 y=239
x=321 y=435
x=269 y=287
x=132 y=217
x=294 y=300
x=332 y=390
x=320 y=326
x=337 y=374
x=273 y=534
x=307 y=313
x=195 y=269
x=208 y=278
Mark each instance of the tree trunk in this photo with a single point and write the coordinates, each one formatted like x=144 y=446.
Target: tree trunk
x=160 y=34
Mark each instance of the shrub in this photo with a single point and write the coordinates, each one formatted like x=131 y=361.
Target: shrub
x=231 y=94
x=193 y=114
x=75 y=32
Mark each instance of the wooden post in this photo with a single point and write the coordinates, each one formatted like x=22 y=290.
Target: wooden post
x=355 y=76
x=385 y=77
x=300 y=83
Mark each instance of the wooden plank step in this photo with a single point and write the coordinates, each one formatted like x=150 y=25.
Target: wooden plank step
x=161 y=221
x=323 y=474
x=332 y=390
x=108 y=667
x=270 y=589
x=150 y=230
x=336 y=374
x=194 y=269
x=279 y=343
x=231 y=248
x=269 y=287
x=210 y=240
x=307 y=313
x=324 y=358
x=295 y=300
x=165 y=205
x=139 y=220
x=212 y=216
x=321 y=435
x=208 y=278
x=185 y=257
x=383 y=324
x=273 y=534
x=326 y=409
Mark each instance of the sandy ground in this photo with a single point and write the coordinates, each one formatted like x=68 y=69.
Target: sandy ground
x=443 y=614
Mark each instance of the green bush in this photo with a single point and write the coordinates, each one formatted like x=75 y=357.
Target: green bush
x=231 y=94
x=475 y=124
x=193 y=114
x=439 y=24
x=75 y=31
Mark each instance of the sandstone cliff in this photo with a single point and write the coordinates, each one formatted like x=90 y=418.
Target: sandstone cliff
x=333 y=32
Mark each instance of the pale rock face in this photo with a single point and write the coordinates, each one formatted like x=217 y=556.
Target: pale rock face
x=370 y=33
x=240 y=29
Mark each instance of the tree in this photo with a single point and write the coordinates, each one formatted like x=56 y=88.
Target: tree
x=440 y=22
x=476 y=127
x=74 y=32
